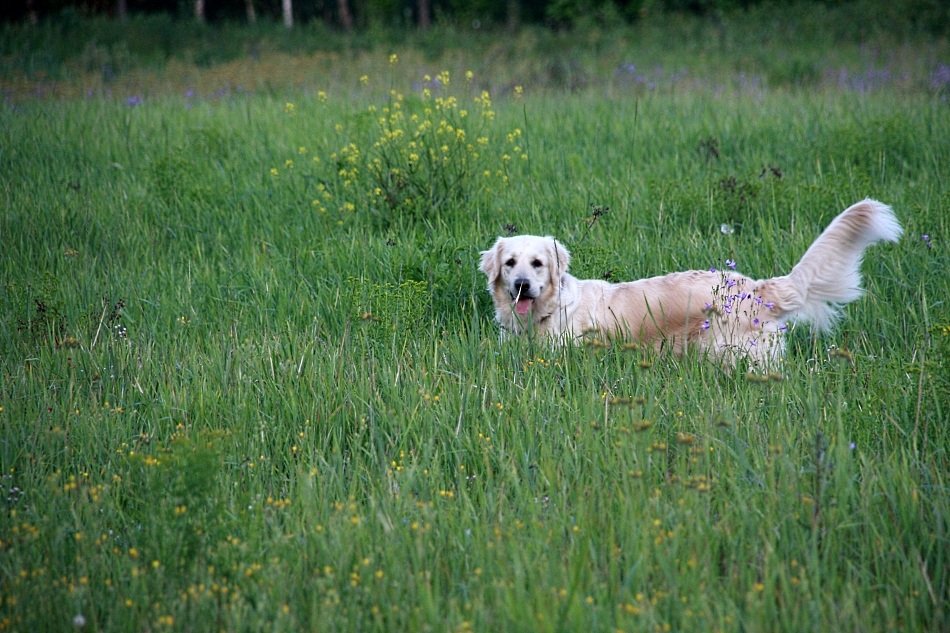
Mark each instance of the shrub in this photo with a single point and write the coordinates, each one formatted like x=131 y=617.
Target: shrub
x=414 y=157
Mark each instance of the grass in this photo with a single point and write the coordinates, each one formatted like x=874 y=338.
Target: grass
x=235 y=400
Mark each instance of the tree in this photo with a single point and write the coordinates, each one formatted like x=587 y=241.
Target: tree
x=346 y=18
x=512 y=15
x=288 y=13
x=424 y=19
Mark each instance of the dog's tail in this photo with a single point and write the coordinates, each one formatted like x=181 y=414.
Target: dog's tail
x=829 y=273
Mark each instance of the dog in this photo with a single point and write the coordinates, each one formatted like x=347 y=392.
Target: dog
x=722 y=313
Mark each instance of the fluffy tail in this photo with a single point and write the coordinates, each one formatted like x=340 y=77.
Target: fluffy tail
x=829 y=273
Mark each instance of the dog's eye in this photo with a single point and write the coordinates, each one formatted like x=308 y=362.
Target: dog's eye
x=537 y=263
x=510 y=262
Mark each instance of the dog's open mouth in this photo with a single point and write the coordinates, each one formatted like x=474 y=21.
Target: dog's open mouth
x=524 y=305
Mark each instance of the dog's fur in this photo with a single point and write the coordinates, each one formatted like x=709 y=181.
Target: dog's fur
x=725 y=313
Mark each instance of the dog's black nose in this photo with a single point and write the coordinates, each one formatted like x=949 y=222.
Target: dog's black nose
x=522 y=287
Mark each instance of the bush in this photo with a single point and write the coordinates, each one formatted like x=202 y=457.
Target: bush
x=413 y=158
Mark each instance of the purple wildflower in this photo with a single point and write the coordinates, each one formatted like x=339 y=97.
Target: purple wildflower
x=705 y=325
x=712 y=270
x=707 y=306
x=940 y=78
x=731 y=263
x=770 y=305
x=926 y=240
x=133 y=101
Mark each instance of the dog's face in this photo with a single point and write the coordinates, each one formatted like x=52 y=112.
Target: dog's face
x=523 y=273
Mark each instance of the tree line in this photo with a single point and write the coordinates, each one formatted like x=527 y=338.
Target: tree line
x=351 y=14
x=932 y=16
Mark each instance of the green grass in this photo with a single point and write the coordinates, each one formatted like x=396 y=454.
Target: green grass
x=225 y=407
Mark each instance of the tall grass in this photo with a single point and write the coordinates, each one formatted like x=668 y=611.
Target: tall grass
x=224 y=407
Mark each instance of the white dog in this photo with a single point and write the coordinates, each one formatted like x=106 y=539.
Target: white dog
x=724 y=313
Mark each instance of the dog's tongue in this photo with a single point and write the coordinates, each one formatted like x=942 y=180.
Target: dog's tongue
x=523 y=306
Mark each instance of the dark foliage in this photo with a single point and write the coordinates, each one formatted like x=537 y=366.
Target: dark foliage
x=930 y=16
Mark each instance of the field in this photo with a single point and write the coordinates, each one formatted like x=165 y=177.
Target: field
x=250 y=379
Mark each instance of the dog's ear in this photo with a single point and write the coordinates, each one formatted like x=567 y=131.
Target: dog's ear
x=560 y=259
x=489 y=263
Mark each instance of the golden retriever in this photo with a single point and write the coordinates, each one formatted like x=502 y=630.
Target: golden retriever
x=726 y=314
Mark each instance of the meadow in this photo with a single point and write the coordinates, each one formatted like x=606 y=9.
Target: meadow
x=249 y=378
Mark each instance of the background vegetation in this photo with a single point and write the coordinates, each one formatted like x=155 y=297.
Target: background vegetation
x=249 y=380
x=929 y=16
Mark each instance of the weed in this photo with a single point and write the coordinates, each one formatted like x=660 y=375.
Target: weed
x=412 y=159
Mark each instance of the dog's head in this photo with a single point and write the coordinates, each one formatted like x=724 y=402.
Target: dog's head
x=523 y=274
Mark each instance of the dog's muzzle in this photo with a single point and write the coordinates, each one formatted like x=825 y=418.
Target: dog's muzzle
x=522 y=296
